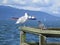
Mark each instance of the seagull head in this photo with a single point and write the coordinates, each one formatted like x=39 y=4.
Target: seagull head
x=26 y=15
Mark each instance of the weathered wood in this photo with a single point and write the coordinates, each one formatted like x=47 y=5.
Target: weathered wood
x=47 y=33
x=42 y=35
x=42 y=40
x=53 y=43
x=22 y=37
x=50 y=28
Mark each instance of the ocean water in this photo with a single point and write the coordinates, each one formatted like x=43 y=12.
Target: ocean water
x=10 y=34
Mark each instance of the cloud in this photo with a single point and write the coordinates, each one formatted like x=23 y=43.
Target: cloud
x=56 y=12
x=19 y=2
x=4 y=1
x=50 y=6
x=46 y=1
x=29 y=2
x=35 y=1
x=55 y=8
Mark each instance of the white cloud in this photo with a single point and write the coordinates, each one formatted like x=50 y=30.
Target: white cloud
x=41 y=1
x=22 y=2
x=28 y=2
x=55 y=7
x=26 y=8
x=19 y=2
x=4 y=1
x=56 y=12
x=46 y=1
x=16 y=0
x=35 y=1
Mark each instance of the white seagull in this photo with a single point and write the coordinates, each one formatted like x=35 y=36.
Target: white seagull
x=22 y=19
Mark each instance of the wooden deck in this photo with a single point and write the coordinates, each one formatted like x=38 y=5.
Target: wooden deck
x=41 y=33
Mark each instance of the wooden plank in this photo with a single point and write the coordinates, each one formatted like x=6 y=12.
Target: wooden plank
x=22 y=37
x=51 y=43
x=42 y=40
x=55 y=28
x=48 y=33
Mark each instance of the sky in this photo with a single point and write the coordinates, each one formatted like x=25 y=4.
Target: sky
x=49 y=6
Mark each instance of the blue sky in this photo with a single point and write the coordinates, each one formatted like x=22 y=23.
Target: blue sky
x=49 y=6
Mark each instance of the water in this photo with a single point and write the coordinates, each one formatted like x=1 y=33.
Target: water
x=10 y=34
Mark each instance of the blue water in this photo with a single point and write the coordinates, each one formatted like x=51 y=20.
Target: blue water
x=10 y=34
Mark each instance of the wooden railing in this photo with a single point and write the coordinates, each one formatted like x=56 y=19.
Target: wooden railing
x=41 y=33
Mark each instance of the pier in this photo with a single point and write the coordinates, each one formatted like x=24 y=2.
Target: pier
x=43 y=34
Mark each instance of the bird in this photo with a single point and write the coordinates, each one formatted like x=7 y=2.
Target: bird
x=22 y=19
x=41 y=25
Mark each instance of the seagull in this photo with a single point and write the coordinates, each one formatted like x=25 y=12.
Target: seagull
x=41 y=25
x=22 y=19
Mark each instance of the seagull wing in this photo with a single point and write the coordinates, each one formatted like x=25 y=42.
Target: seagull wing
x=19 y=20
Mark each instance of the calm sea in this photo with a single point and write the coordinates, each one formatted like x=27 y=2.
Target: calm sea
x=10 y=34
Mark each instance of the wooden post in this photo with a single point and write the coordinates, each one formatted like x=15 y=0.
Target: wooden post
x=42 y=40
x=22 y=37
